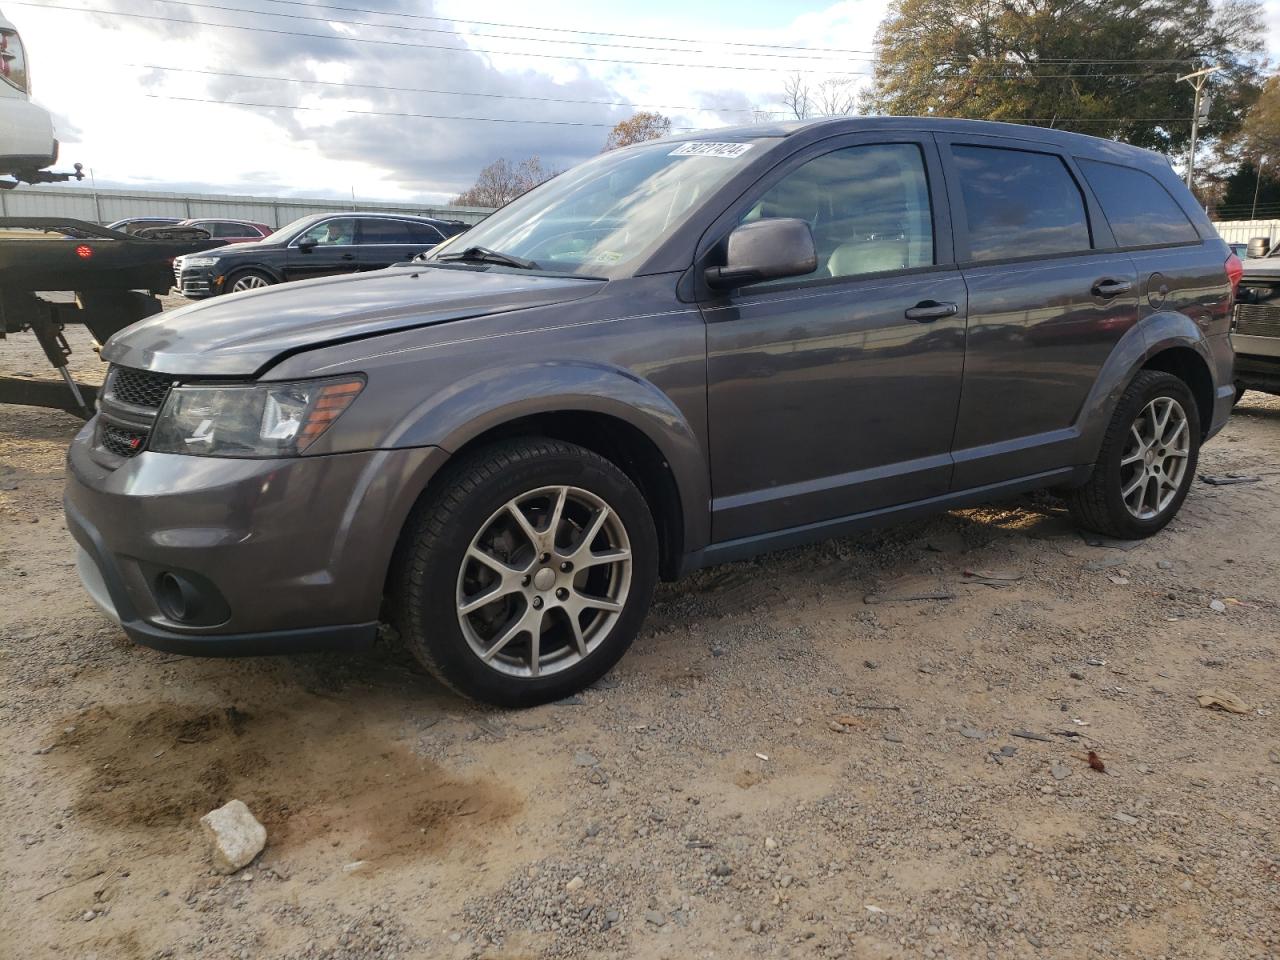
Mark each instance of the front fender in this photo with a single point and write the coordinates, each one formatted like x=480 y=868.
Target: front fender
x=1151 y=336
x=452 y=417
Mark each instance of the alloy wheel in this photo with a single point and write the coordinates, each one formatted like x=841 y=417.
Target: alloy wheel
x=1154 y=462
x=544 y=581
x=250 y=282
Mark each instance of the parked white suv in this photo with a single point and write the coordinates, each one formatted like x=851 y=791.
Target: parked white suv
x=27 y=144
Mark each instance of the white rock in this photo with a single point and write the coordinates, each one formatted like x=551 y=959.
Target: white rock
x=235 y=836
x=574 y=884
x=354 y=866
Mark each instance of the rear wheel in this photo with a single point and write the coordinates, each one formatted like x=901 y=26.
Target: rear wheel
x=249 y=280
x=527 y=576
x=1147 y=461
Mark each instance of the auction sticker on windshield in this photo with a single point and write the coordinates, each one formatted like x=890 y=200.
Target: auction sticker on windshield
x=729 y=151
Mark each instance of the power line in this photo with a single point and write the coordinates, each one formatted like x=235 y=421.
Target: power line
x=449 y=93
x=548 y=56
x=385 y=113
x=494 y=36
x=422 y=46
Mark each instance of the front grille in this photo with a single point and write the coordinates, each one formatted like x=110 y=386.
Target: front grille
x=1258 y=319
x=177 y=271
x=140 y=388
x=190 y=286
x=121 y=442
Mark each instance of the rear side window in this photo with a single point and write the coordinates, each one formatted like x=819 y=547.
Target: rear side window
x=1019 y=203
x=425 y=233
x=385 y=231
x=1138 y=207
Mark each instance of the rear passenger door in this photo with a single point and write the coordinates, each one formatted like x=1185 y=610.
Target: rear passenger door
x=387 y=241
x=1049 y=297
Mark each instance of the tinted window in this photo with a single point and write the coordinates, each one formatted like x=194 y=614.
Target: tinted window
x=385 y=231
x=231 y=230
x=424 y=233
x=340 y=231
x=1139 y=209
x=868 y=208
x=1019 y=204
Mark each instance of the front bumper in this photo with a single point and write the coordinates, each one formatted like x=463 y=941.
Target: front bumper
x=279 y=556
x=196 y=283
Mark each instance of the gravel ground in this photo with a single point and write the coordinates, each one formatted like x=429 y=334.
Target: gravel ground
x=779 y=768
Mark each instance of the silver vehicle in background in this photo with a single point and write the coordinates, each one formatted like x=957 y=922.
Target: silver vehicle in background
x=27 y=143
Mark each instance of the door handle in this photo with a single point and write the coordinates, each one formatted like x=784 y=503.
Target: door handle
x=348 y=256
x=1108 y=288
x=926 y=311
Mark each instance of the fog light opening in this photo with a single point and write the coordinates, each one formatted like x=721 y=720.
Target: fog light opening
x=179 y=600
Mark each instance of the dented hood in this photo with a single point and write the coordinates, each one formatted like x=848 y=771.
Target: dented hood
x=241 y=334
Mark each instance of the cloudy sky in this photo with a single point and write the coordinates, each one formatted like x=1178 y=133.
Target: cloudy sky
x=98 y=70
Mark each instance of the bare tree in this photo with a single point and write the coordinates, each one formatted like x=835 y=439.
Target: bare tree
x=502 y=181
x=836 y=97
x=796 y=96
x=759 y=115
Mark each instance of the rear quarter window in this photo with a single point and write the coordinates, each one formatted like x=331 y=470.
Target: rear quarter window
x=1019 y=203
x=1138 y=207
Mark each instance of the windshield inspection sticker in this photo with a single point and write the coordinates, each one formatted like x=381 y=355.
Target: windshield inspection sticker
x=729 y=151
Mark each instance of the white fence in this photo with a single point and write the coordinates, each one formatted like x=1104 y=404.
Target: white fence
x=1242 y=231
x=107 y=206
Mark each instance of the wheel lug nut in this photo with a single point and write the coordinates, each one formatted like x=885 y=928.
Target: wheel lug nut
x=566 y=566
x=526 y=580
x=545 y=557
x=537 y=603
x=562 y=594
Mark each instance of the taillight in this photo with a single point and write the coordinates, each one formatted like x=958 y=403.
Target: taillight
x=84 y=251
x=1235 y=271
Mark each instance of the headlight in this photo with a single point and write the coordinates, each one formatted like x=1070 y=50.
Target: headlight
x=189 y=261
x=262 y=420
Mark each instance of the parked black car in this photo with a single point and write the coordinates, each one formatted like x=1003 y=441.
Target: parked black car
x=680 y=353
x=315 y=246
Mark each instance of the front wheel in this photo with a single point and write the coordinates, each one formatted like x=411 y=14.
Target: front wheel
x=1147 y=461
x=528 y=574
x=243 y=280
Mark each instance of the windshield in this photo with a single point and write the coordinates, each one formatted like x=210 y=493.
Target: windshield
x=602 y=218
x=287 y=230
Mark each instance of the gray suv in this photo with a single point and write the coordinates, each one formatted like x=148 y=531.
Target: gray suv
x=676 y=354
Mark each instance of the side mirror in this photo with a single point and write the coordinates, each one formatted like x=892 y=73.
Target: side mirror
x=306 y=246
x=1258 y=248
x=765 y=250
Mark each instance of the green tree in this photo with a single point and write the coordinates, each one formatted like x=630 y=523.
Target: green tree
x=1105 y=67
x=1237 y=198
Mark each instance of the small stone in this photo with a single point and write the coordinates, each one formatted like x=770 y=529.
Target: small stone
x=1125 y=819
x=717 y=651
x=835 y=691
x=871 y=664
x=756 y=925
x=1077 y=675
x=1217 y=606
x=1164 y=564
x=770 y=843
x=455 y=938
x=972 y=733
x=575 y=884
x=584 y=759
x=721 y=870
x=355 y=866
x=87 y=916
x=654 y=917
x=235 y=837
x=837 y=727
x=1274 y=756
x=1008 y=750
x=1060 y=771
x=612 y=916
x=892 y=736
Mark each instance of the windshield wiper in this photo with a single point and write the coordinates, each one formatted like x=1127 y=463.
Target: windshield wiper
x=485 y=255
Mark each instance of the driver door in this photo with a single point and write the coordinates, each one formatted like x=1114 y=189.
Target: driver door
x=836 y=394
x=325 y=249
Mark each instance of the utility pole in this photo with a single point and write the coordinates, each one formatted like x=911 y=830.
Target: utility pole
x=1198 y=81
x=1257 y=183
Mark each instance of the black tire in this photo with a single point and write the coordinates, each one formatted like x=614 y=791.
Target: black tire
x=238 y=275
x=1240 y=391
x=1099 y=505
x=440 y=531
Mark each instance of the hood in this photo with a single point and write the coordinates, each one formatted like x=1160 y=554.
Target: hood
x=242 y=333
x=248 y=247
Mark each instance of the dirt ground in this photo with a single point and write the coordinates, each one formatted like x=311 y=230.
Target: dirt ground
x=779 y=768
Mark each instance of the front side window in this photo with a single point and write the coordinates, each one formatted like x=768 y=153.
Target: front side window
x=424 y=233
x=1019 y=203
x=341 y=230
x=605 y=217
x=233 y=230
x=868 y=208
x=1138 y=207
